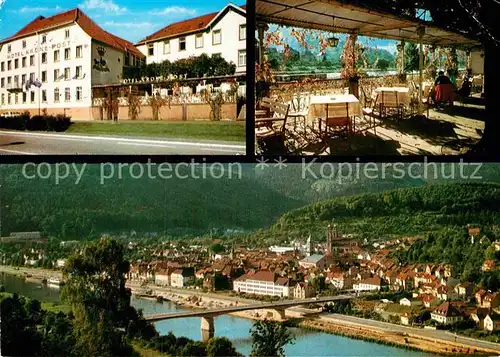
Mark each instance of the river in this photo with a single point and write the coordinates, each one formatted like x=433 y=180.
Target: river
x=307 y=343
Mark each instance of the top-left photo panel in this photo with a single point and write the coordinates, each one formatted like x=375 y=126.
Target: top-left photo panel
x=122 y=77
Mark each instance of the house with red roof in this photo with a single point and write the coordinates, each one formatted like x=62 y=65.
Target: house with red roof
x=53 y=62
x=222 y=32
x=446 y=314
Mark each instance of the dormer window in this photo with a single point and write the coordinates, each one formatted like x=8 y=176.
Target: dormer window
x=151 y=50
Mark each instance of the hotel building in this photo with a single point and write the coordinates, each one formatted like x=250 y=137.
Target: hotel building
x=222 y=32
x=262 y=283
x=53 y=62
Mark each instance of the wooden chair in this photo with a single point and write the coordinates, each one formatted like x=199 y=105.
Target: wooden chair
x=265 y=111
x=337 y=120
x=300 y=108
x=270 y=132
x=369 y=108
x=390 y=102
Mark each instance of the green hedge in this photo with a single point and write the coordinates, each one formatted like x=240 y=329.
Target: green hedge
x=36 y=123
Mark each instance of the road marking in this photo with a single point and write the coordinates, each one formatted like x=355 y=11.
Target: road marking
x=153 y=145
x=111 y=138
x=19 y=152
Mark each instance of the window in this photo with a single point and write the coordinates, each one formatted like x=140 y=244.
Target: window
x=9 y=49
x=151 y=50
x=24 y=43
x=16 y=99
x=23 y=79
x=32 y=60
x=56 y=56
x=44 y=76
x=9 y=81
x=56 y=95
x=25 y=97
x=78 y=72
x=32 y=97
x=166 y=47
x=56 y=75
x=16 y=81
x=216 y=37
x=16 y=63
x=3 y=99
x=9 y=65
x=243 y=32
x=2 y=83
x=199 y=40
x=78 y=51
x=44 y=57
x=2 y=66
x=78 y=93
x=32 y=77
x=242 y=58
x=8 y=99
x=44 y=39
x=67 y=53
x=67 y=95
x=67 y=74
x=66 y=34
x=182 y=44
x=23 y=62
x=44 y=96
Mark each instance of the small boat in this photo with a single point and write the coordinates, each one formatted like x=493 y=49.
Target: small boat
x=55 y=281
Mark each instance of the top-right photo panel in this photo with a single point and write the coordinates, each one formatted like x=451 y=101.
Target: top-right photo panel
x=375 y=78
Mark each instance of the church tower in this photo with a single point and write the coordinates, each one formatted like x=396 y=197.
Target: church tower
x=309 y=247
x=329 y=238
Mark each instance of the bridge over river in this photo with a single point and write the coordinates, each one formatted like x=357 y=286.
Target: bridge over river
x=207 y=316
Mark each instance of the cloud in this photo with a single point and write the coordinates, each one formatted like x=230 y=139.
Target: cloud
x=25 y=10
x=174 y=10
x=135 y=25
x=106 y=5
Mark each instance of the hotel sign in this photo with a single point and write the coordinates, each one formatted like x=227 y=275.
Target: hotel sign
x=43 y=48
x=170 y=77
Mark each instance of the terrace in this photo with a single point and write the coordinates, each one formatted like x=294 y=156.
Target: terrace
x=403 y=113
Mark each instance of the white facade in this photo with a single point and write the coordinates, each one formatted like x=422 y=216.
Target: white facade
x=365 y=287
x=178 y=280
x=259 y=287
x=66 y=61
x=44 y=57
x=162 y=279
x=224 y=35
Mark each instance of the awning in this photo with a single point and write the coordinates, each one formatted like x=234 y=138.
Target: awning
x=334 y=16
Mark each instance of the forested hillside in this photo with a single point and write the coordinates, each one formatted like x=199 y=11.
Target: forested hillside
x=255 y=201
x=411 y=211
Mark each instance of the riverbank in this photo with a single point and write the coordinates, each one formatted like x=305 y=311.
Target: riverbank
x=341 y=325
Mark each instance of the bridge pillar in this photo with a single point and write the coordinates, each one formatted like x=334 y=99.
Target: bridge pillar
x=281 y=314
x=207 y=328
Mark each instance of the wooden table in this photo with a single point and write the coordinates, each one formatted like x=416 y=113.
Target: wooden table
x=403 y=95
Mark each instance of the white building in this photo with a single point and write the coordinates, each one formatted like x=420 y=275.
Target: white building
x=262 y=283
x=369 y=284
x=181 y=277
x=446 y=314
x=65 y=54
x=222 y=32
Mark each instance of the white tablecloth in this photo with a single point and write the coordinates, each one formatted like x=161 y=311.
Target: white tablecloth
x=317 y=105
x=403 y=94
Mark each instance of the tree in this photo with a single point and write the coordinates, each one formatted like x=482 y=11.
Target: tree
x=95 y=289
x=383 y=64
x=216 y=248
x=411 y=57
x=220 y=347
x=269 y=338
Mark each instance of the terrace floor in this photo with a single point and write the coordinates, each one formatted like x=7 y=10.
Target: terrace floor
x=447 y=131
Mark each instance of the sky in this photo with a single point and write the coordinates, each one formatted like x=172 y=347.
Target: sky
x=129 y=19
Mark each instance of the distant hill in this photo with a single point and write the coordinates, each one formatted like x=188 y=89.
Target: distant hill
x=198 y=206
x=401 y=212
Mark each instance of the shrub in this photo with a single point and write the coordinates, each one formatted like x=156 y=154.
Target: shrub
x=36 y=123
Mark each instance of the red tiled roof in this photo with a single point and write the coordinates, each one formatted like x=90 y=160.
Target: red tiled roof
x=90 y=27
x=186 y=26
x=447 y=310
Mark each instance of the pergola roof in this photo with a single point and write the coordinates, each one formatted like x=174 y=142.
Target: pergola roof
x=335 y=16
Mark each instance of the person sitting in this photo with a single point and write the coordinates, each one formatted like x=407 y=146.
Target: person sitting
x=442 y=79
x=466 y=88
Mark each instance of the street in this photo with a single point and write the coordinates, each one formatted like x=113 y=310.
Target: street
x=29 y=143
x=432 y=334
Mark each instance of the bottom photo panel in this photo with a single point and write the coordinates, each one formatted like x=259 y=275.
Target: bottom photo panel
x=233 y=259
